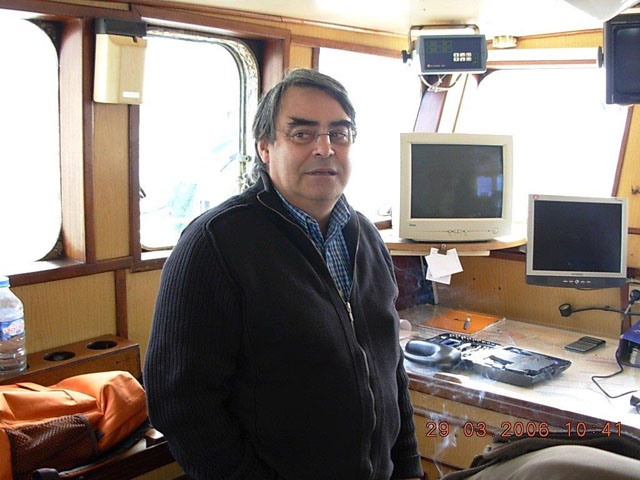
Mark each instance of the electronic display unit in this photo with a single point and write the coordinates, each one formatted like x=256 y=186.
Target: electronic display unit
x=578 y=242
x=452 y=54
x=455 y=187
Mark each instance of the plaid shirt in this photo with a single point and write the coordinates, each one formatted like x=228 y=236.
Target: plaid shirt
x=333 y=248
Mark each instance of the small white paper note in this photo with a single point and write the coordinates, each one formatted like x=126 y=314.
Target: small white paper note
x=446 y=279
x=441 y=267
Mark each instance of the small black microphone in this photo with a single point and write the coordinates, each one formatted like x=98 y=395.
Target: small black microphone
x=565 y=309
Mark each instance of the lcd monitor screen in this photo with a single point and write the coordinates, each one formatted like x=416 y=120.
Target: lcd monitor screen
x=577 y=237
x=577 y=241
x=456 y=181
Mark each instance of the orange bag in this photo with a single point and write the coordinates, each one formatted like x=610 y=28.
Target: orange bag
x=67 y=424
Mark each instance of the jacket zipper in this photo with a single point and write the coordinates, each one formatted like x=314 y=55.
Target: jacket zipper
x=347 y=305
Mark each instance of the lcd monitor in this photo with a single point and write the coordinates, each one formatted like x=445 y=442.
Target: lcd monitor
x=578 y=242
x=455 y=187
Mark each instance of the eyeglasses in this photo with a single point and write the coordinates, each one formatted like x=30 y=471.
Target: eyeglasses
x=305 y=136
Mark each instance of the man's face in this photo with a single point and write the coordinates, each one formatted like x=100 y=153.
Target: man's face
x=312 y=177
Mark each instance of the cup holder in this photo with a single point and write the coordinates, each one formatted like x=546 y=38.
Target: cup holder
x=59 y=356
x=102 y=345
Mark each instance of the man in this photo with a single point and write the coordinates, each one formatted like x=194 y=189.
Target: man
x=274 y=351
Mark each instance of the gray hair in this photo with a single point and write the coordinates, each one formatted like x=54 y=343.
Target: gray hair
x=264 y=123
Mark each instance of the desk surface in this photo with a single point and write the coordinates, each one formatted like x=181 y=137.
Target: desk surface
x=571 y=396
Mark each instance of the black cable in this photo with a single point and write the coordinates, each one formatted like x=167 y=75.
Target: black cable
x=633 y=300
x=606 y=309
x=593 y=379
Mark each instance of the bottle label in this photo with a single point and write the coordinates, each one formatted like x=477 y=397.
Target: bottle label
x=10 y=329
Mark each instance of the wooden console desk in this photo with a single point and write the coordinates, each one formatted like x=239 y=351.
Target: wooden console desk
x=401 y=246
x=452 y=410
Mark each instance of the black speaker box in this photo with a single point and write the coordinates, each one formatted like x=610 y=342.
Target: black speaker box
x=622 y=59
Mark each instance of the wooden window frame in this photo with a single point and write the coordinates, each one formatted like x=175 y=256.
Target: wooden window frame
x=274 y=62
x=76 y=142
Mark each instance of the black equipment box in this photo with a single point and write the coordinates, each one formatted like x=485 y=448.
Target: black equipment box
x=506 y=364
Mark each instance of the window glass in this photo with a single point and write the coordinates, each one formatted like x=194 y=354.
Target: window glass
x=198 y=94
x=385 y=94
x=31 y=213
x=566 y=138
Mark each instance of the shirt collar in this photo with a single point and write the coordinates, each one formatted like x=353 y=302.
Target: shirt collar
x=340 y=215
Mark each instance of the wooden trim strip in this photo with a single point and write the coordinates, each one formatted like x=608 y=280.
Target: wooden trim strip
x=87 y=139
x=122 y=326
x=219 y=26
x=534 y=63
x=206 y=9
x=59 y=9
x=314 y=42
x=73 y=131
x=211 y=10
x=621 y=154
x=634 y=231
x=148 y=264
x=134 y=184
x=560 y=34
x=430 y=111
x=42 y=272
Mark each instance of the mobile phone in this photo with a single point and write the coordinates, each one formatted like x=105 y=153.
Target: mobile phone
x=585 y=344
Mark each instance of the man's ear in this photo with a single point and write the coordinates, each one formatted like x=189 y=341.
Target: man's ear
x=264 y=151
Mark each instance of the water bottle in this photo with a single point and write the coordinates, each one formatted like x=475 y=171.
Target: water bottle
x=13 y=356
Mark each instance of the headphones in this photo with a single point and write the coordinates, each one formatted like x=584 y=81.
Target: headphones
x=433 y=355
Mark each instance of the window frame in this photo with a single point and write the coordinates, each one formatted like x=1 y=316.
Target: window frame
x=76 y=60
x=273 y=61
x=53 y=30
x=246 y=61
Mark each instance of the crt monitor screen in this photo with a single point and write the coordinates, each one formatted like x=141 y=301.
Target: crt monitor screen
x=576 y=241
x=455 y=187
x=456 y=181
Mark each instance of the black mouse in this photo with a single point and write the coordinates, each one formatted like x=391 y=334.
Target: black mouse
x=434 y=355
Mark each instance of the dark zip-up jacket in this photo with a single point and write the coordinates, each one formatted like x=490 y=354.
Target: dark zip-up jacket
x=258 y=369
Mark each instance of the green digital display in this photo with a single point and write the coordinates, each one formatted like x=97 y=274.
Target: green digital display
x=439 y=46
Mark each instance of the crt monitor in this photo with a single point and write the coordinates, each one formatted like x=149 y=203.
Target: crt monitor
x=578 y=242
x=455 y=187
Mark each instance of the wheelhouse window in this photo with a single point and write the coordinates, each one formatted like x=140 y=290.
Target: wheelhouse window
x=31 y=213
x=200 y=94
x=386 y=95
x=566 y=138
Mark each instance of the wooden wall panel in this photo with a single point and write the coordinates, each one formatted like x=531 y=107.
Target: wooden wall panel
x=633 y=249
x=498 y=287
x=111 y=180
x=68 y=311
x=301 y=57
x=142 y=289
x=630 y=173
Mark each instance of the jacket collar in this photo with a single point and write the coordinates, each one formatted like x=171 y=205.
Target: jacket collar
x=267 y=195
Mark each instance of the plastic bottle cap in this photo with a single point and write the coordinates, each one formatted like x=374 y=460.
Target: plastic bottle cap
x=4 y=281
